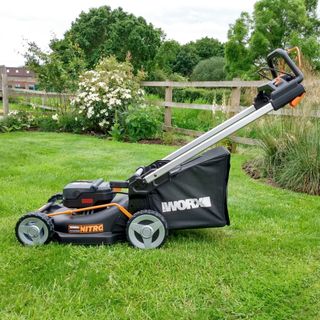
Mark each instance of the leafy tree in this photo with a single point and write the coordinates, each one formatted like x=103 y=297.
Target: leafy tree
x=238 y=60
x=167 y=55
x=274 y=23
x=103 y=32
x=59 y=69
x=209 y=70
x=186 y=60
x=208 y=47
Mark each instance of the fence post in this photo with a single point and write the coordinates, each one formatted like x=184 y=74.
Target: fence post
x=167 y=111
x=235 y=107
x=4 y=81
x=235 y=98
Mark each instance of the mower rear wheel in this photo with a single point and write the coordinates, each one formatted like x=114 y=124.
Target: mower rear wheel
x=34 y=228
x=147 y=229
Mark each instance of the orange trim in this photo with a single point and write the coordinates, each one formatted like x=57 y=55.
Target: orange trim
x=72 y=211
x=296 y=101
x=116 y=190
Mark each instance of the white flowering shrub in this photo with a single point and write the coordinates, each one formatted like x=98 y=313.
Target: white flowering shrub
x=105 y=94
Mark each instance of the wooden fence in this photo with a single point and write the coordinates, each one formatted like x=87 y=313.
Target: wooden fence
x=234 y=102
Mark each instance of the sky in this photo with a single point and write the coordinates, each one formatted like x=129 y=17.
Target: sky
x=181 y=20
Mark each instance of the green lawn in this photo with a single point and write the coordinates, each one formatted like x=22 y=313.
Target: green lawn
x=266 y=265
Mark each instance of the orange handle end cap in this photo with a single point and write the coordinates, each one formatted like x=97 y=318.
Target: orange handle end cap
x=296 y=101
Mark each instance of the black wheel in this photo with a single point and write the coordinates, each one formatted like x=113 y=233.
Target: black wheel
x=147 y=229
x=34 y=228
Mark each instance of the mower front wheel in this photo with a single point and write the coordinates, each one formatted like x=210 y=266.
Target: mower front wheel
x=147 y=229
x=34 y=228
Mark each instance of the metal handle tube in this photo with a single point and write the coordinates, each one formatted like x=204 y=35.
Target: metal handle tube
x=208 y=143
x=210 y=133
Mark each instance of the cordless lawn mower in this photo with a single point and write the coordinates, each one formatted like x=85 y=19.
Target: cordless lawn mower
x=187 y=189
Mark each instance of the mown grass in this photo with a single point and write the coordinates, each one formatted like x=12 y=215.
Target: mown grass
x=266 y=265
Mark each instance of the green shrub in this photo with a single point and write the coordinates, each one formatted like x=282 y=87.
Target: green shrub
x=16 y=121
x=206 y=96
x=291 y=154
x=69 y=122
x=211 y=69
x=47 y=124
x=143 y=123
x=201 y=120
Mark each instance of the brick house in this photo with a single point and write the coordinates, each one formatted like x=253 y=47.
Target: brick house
x=17 y=78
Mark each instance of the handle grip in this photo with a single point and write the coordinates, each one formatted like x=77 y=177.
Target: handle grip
x=283 y=54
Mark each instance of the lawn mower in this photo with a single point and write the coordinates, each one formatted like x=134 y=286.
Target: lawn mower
x=186 y=189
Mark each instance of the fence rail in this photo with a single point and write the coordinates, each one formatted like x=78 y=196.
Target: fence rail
x=234 y=102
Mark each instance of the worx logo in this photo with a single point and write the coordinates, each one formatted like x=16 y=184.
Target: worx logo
x=186 y=204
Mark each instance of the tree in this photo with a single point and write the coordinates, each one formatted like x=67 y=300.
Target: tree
x=208 y=47
x=209 y=70
x=103 y=32
x=99 y=33
x=59 y=69
x=167 y=55
x=186 y=60
x=237 y=53
x=274 y=23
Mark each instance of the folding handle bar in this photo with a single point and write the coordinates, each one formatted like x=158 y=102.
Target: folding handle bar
x=95 y=185
x=284 y=54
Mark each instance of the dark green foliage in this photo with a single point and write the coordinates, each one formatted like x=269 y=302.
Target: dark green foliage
x=172 y=57
x=47 y=124
x=186 y=60
x=207 y=48
x=166 y=56
x=96 y=34
x=206 y=96
x=143 y=123
x=209 y=69
x=102 y=32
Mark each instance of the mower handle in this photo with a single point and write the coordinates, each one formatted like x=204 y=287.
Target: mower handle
x=284 y=54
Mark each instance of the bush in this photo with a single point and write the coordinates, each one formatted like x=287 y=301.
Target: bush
x=143 y=123
x=105 y=94
x=291 y=154
x=206 y=96
x=201 y=120
x=209 y=70
x=16 y=121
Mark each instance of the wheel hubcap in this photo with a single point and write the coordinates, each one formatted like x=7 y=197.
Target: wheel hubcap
x=33 y=231
x=146 y=232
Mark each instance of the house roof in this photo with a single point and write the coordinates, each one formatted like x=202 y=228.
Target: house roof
x=19 y=72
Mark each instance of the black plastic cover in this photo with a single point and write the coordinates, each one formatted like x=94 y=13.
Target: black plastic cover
x=86 y=193
x=195 y=194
